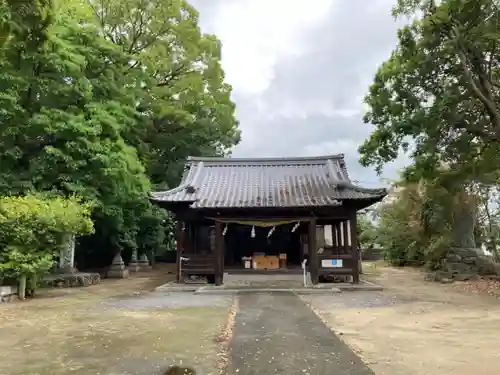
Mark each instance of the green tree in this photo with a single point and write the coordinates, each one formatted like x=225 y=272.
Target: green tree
x=185 y=106
x=32 y=230
x=489 y=218
x=105 y=99
x=414 y=227
x=64 y=109
x=439 y=90
x=437 y=95
x=367 y=232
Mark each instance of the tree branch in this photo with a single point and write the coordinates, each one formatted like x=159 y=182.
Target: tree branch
x=490 y=106
x=176 y=73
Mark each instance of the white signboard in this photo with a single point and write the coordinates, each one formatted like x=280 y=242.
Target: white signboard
x=331 y=263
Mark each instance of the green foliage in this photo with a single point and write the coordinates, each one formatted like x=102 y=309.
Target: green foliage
x=105 y=99
x=185 y=106
x=367 y=232
x=151 y=238
x=438 y=97
x=439 y=91
x=488 y=229
x=415 y=228
x=399 y=230
x=32 y=230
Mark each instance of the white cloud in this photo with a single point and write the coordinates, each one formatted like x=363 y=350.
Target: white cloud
x=288 y=108
x=300 y=70
x=256 y=34
x=342 y=146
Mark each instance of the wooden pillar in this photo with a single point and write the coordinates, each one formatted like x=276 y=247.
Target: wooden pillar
x=190 y=247
x=313 y=252
x=354 y=247
x=340 y=234
x=345 y=236
x=219 y=253
x=179 y=240
x=335 y=236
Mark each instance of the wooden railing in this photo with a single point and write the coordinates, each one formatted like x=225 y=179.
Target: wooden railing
x=198 y=264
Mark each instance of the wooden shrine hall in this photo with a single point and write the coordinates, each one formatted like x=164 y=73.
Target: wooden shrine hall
x=266 y=215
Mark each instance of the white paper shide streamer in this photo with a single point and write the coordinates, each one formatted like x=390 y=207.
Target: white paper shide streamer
x=271 y=232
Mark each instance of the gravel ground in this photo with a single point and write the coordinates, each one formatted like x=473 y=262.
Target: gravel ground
x=414 y=327
x=356 y=299
x=276 y=333
x=84 y=331
x=161 y=300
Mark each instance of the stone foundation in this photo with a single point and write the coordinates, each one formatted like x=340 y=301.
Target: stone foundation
x=462 y=264
x=73 y=280
x=144 y=262
x=7 y=293
x=133 y=266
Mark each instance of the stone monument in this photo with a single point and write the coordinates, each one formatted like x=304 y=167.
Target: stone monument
x=118 y=269
x=66 y=274
x=464 y=260
x=67 y=255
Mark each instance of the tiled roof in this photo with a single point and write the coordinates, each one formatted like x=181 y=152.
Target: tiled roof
x=269 y=182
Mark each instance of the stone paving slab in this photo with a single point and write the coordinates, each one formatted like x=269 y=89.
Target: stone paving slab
x=169 y=287
x=265 y=290
x=276 y=333
x=226 y=289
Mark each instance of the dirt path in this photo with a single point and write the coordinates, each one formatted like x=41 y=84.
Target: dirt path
x=415 y=327
x=116 y=328
x=276 y=333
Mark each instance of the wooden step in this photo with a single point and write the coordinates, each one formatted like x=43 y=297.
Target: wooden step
x=336 y=271
x=198 y=271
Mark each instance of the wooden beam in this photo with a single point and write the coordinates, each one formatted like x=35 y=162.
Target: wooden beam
x=354 y=248
x=219 y=253
x=313 y=252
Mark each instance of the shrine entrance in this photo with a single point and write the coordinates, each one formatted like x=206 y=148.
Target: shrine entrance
x=280 y=244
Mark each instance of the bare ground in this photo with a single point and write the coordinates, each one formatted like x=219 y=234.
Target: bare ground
x=111 y=328
x=415 y=327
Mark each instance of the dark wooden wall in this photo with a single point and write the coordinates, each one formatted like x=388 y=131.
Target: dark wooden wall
x=211 y=263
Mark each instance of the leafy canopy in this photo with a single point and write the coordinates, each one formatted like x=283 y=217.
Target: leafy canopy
x=105 y=99
x=32 y=229
x=438 y=93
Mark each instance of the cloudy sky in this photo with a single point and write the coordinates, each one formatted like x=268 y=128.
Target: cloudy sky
x=299 y=70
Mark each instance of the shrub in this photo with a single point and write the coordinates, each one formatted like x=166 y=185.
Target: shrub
x=32 y=230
